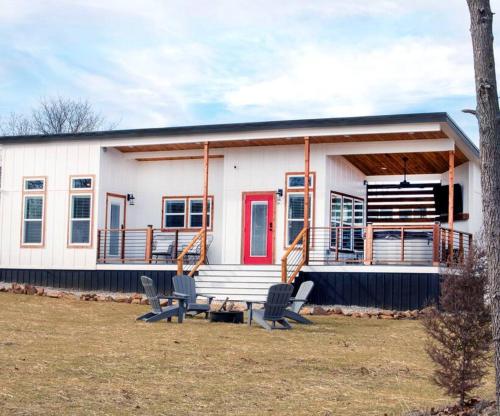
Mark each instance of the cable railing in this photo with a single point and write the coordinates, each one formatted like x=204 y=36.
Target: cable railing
x=146 y=245
x=370 y=245
x=454 y=246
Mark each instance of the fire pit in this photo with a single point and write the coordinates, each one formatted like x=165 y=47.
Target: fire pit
x=224 y=315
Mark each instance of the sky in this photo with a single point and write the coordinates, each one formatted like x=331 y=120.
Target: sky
x=158 y=63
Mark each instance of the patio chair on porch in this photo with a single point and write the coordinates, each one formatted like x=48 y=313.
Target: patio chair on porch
x=163 y=247
x=184 y=286
x=278 y=298
x=157 y=312
x=293 y=311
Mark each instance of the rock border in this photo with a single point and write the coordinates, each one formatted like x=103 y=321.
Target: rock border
x=141 y=299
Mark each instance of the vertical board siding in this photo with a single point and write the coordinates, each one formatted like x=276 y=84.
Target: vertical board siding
x=399 y=291
x=90 y=280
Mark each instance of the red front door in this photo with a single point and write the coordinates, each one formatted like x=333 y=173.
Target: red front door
x=258 y=220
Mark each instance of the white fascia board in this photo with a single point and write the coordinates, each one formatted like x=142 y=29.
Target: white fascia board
x=276 y=134
x=460 y=143
x=396 y=146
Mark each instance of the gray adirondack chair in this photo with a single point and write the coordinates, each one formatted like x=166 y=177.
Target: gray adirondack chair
x=157 y=312
x=293 y=311
x=184 y=286
x=278 y=299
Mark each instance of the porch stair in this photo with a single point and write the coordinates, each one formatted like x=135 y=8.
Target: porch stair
x=238 y=282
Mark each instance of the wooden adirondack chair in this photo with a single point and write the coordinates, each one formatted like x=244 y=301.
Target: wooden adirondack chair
x=278 y=298
x=293 y=311
x=184 y=286
x=157 y=312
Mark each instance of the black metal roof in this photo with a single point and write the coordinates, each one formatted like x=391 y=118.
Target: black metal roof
x=440 y=117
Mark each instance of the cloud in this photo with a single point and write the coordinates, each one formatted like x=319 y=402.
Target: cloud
x=155 y=63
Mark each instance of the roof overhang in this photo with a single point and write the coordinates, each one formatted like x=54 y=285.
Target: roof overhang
x=397 y=129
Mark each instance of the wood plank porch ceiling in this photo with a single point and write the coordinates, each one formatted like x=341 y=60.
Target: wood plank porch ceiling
x=392 y=164
x=284 y=141
x=373 y=164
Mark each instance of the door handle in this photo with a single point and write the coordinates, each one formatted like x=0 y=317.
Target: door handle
x=270 y=226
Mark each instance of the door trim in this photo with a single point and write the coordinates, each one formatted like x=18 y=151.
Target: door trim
x=113 y=195
x=242 y=231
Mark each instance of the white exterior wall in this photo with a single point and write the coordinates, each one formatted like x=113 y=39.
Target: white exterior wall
x=468 y=175
x=56 y=161
x=255 y=169
x=245 y=169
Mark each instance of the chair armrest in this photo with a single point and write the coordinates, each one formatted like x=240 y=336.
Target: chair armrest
x=297 y=300
x=180 y=295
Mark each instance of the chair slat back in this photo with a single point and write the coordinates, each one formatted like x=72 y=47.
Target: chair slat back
x=278 y=298
x=185 y=284
x=151 y=293
x=303 y=293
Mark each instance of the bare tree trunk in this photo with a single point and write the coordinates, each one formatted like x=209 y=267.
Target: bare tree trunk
x=488 y=115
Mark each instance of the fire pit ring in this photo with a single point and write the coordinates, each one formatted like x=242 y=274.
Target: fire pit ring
x=233 y=317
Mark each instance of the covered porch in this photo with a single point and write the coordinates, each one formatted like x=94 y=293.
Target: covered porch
x=396 y=216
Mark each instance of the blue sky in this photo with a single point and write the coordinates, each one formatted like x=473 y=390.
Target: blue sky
x=164 y=63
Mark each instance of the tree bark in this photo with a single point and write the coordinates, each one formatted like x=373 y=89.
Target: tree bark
x=488 y=115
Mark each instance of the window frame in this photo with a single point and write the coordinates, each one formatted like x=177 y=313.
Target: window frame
x=80 y=192
x=297 y=190
x=187 y=212
x=354 y=200
x=26 y=193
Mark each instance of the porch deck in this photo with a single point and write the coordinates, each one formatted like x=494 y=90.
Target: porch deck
x=409 y=245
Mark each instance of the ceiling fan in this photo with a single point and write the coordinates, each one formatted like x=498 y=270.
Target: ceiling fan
x=404 y=183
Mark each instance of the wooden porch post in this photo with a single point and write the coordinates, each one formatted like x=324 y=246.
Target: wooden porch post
x=205 y=202
x=307 y=149
x=451 y=198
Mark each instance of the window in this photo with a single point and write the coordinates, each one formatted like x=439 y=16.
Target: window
x=81 y=183
x=80 y=219
x=32 y=233
x=185 y=212
x=295 y=214
x=346 y=211
x=34 y=184
x=196 y=213
x=80 y=211
x=175 y=213
x=295 y=182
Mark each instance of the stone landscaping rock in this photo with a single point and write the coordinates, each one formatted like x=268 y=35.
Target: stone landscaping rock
x=144 y=301
x=53 y=294
x=18 y=289
x=40 y=291
x=337 y=311
x=318 y=310
x=386 y=316
x=30 y=290
x=121 y=298
x=136 y=301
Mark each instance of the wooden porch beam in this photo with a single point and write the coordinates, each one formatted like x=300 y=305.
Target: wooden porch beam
x=451 y=200
x=205 y=203
x=307 y=151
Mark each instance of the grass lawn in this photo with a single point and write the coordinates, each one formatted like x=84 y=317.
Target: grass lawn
x=85 y=358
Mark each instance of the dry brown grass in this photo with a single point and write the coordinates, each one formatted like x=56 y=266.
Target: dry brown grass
x=86 y=358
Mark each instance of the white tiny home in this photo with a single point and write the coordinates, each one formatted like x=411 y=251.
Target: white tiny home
x=95 y=210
